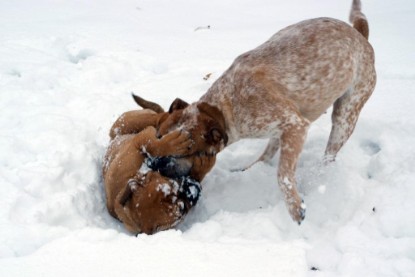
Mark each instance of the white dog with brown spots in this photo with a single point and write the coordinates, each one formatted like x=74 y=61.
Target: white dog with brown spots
x=276 y=90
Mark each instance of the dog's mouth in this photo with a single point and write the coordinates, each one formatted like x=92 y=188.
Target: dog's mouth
x=171 y=167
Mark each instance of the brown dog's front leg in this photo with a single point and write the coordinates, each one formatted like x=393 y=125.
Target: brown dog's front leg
x=292 y=140
x=133 y=122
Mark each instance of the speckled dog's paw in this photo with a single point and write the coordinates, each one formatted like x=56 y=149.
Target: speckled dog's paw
x=297 y=211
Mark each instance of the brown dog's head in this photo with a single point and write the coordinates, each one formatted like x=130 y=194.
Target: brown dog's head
x=154 y=203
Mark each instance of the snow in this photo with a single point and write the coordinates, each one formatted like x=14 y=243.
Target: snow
x=66 y=72
x=165 y=188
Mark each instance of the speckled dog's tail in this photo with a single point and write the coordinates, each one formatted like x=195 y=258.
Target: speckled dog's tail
x=358 y=19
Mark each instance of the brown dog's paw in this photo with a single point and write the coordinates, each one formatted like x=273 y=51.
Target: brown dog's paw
x=176 y=143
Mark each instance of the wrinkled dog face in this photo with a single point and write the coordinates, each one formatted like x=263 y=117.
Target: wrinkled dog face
x=155 y=203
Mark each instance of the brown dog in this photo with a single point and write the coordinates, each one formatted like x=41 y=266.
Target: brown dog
x=276 y=90
x=144 y=200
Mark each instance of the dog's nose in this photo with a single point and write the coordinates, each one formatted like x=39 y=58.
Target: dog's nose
x=169 y=166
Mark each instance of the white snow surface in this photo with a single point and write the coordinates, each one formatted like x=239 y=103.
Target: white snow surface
x=66 y=72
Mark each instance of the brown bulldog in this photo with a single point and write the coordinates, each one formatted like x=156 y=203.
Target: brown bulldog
x=145 y=200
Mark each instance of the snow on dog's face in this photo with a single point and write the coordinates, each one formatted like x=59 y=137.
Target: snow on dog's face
x=155 y=203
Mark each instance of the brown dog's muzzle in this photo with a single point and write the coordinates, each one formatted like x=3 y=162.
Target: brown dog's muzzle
x=171 y=167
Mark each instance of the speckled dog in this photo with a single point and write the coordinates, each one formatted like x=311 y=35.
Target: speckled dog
x=276 y=90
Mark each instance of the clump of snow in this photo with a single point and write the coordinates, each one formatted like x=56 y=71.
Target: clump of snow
x=144 y=169
x=165 y=188
x=321 y=189
x=66 y=70
x=303 y=206
x=193 y=192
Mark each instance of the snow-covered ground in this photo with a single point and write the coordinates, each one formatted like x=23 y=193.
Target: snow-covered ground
x=66 y=72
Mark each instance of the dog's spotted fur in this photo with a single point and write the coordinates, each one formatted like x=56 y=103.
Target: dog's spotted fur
x=276 y=90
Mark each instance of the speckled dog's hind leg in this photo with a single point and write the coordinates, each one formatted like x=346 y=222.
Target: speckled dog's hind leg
x=346 y=111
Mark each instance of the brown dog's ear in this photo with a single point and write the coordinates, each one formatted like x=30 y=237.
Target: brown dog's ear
x=218 y=132
x=214 y=136
x=147 y=104
x=126 y=195
x=128 y=191
x=178 y=104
